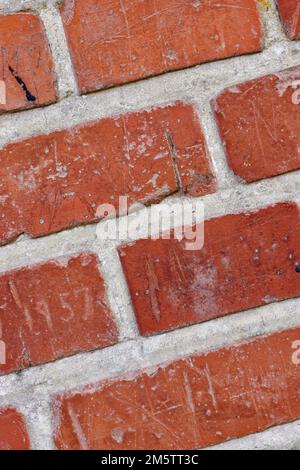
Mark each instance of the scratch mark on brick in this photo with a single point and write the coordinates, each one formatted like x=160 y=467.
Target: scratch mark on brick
x=210 y=386
x=44 y=310
x=127 y=153
x=176 y=265
x=188 y=393
x=174 y=154
x=88 y=302
x=191 y=406
x=144 y=412
x=16 y=297
x=258 y=132
x=127 y=28
x=77 y=428
x=153 y=288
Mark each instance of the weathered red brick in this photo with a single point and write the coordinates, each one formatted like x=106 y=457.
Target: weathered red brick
x=121 y=41
x=13 y=432
x=290 y=15
x=259 y=124
x=248 y=260
x=192 y=403
x=52 y=310
x=26 y=66
x=56 y=181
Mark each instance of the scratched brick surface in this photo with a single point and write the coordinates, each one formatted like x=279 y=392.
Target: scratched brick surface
x=57 y=181
x=53 y=310
x=290 y=14
x=115 y=42
x=192 y=403
x=26 y=66
x=13 y=432
x=247 y=260
x=259 y=124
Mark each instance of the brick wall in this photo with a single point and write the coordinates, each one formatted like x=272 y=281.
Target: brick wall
x=142 y=344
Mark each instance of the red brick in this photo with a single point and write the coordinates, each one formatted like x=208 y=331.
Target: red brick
x=290 y=15
x=191 y=403
x=259 y=125
x=56 y=181
x=53 y=310
x=121 y=41
x=25 y=63
x=247 y=260
x=13 y=432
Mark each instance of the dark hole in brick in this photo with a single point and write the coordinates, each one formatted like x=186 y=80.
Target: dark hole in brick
x=297 y=268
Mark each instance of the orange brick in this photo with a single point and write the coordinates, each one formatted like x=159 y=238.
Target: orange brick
x=26 y=66
x=259 y=125
x=56 y=181
x=290 y=14
x=115 y=42
x=189 y=404
x=52 y=310
x=247 y=260
x=13 y=432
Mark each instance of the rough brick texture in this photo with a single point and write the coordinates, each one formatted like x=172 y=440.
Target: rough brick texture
x=13 y=432
x=115 y=42
x=53 y=310
x=96 y=335
x=248 y=260
x=290 y=14
x=259 y=125
x=192 y=403
x=25 y=63
x=57 y=181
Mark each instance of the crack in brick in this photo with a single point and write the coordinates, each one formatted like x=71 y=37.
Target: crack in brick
x=21 y=82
